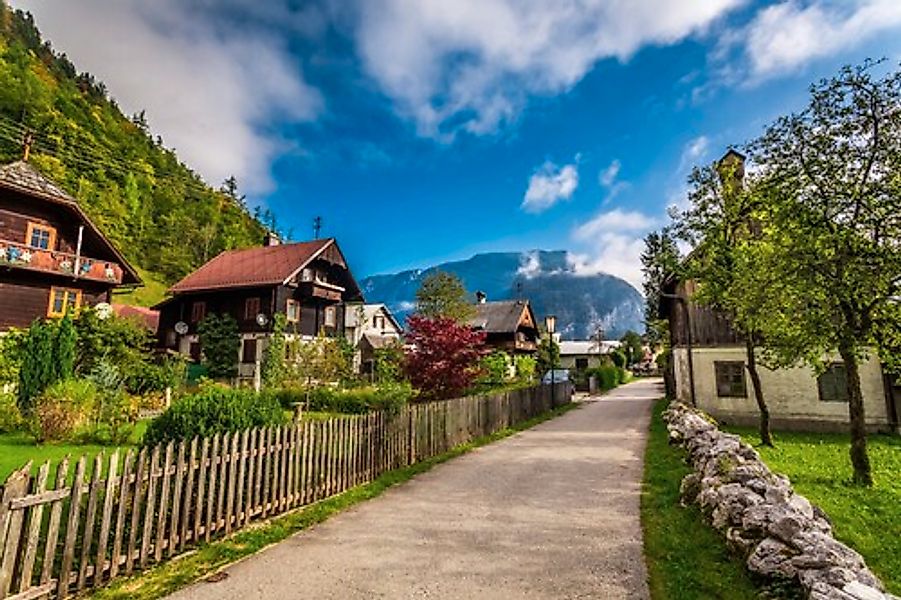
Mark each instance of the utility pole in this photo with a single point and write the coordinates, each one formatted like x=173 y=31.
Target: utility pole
x=317 y=227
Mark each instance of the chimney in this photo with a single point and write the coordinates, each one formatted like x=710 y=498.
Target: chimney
x=271 y=239
x=481 y=297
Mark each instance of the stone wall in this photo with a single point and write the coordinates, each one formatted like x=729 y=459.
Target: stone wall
x=779 y=534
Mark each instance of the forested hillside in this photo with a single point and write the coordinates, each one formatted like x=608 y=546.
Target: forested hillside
x=156 y=210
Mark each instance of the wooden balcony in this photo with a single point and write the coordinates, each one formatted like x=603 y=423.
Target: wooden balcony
x=21 y=256
x=321 y=289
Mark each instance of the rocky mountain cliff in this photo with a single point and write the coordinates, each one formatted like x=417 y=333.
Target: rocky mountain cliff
x=582 y=303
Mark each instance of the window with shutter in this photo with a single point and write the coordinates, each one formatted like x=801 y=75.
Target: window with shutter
x=730 y=379
x=833 y=384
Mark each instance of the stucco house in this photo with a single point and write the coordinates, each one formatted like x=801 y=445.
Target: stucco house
x=708 y=369
x=369 y=327
x=585 y=354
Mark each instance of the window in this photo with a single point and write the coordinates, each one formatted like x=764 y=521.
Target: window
x=833 y=384
x=249 y=354
x=292 y=311
x=40 y=236
x=198 y=312
x=251 y=308
x=581 y=363
x=63 y=300
x=730 y=379
x=330 y=316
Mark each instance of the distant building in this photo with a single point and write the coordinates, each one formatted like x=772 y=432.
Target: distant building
x=509 y=325
x=53 y=259
x=369 y=327
x=307 y=282
x=581 y=355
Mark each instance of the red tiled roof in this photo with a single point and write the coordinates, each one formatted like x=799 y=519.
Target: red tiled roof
x=269 y=265
x=149 y=317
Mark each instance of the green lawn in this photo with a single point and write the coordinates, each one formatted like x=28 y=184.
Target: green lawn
x=16 y=449
x=868 y=520
x=686 y=558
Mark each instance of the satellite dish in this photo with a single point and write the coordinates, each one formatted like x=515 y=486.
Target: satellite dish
x=262 y=319
x=104 y=310
x=181 y=328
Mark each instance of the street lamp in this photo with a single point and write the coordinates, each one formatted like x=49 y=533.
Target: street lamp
x=550 y=323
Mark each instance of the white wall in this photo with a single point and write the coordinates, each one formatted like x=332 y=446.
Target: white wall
x=791 y=394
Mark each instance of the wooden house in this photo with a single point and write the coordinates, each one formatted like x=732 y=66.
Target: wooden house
x=509 y=325
x=53 y=259
x=307 y=282
x=708 y=369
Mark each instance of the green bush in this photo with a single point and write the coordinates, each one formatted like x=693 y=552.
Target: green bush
x=494 y=366
x=525 y=366
x=353 y=401
x=608 y=376
x=618 y=357
x=155 y=377
x=215 y=409
x=10 y=417
x=62 y=409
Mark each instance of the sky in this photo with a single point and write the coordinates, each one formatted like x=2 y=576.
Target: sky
x=429 y=130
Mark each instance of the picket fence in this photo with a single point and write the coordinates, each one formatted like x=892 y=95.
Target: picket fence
x=128 y=512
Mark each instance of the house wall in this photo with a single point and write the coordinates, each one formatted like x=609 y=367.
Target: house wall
x=791 y=394
x=25 y=296
x=569 y=361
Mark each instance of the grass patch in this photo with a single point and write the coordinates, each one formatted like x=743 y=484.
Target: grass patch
x=18 y=448
x=169 y=576
x=867 y=519
x=152 y=292
x=686 y=558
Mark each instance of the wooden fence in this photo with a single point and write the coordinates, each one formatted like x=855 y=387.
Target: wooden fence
x=129 y=511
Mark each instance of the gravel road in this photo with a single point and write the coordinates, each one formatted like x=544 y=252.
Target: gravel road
x=552 y=512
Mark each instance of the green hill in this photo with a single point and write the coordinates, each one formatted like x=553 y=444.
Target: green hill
x=155 y=208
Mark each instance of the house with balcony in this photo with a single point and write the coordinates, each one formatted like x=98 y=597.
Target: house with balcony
x=53 y=259
x=509 y=325
x=309 y=283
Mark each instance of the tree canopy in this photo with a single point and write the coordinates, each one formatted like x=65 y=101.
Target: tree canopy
x=443 y=295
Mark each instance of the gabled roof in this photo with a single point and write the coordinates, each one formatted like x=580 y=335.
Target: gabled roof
x=21 y=177
x=369 y=311
x=252 y=267
x=502 y=316
x=587 y=347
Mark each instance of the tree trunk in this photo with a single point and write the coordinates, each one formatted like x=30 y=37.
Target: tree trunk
x=765 y=438
x=860 y=460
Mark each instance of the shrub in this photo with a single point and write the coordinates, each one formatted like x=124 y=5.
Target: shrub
x=444 y=356
x=221 y=341
x=155 y=377
x=390 y=397
x=117 y=340
x=618 y=357
x=62 y=408
x=608 y=376
x=525 y=367
x=388 y=364
x=11 y=344
x=215 y=409
x=10 y=417
x=38 y=364
x=116 y=417
x=494 y=366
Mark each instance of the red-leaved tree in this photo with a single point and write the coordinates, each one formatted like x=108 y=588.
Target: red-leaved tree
x=444 y=356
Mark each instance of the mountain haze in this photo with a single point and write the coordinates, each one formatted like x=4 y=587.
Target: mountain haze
x=582 y=303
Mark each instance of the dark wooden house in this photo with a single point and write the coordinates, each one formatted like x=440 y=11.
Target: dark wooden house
x=307 y=282
x=52 y=257
x=509 y=325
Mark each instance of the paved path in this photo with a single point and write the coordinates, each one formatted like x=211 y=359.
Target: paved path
x=551 y=512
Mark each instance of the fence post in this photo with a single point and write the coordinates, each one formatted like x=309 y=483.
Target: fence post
x=11 y=524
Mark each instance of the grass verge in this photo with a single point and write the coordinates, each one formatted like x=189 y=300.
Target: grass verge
x=867 y=519
x=686 y=558
x=169 y=576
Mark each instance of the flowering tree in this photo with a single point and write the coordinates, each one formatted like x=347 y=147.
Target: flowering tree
x=444 y=356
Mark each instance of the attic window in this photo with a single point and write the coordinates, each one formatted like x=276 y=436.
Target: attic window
x=40 y=236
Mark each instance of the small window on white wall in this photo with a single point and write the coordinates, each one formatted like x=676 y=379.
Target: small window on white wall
x=730 y=379
x=833 y=384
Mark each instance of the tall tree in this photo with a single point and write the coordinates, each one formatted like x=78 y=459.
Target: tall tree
x=443 y=295
x=723 y=222
x=832 y=173
x=659 y=259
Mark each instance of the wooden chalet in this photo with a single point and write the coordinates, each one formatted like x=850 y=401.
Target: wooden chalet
x=307 y=282
x=509 y=325
x=53 y=259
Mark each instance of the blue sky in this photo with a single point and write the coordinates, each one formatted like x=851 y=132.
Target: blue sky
x=429 y=130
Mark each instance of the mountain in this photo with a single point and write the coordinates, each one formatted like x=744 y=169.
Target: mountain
x=581 y=303
x=157 y=211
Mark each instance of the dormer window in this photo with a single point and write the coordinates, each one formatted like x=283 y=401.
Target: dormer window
x=42 y=237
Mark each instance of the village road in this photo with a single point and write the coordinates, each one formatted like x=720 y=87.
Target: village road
x=552 y=512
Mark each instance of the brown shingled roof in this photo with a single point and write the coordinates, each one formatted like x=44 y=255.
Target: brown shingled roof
x=269 y=265
x=23 y=177
x=499 y=317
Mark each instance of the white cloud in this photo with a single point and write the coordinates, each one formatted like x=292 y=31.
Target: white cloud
x=613 y=242
x=471 y=64
x=608 y=175
x=548 y=185
x=208 y=91
x=784 y=37
x=693 y=152
x=529 y=264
